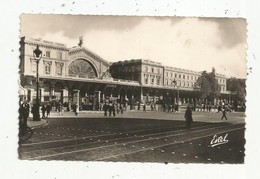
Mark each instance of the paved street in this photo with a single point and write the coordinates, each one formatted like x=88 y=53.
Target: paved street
x=137 y=136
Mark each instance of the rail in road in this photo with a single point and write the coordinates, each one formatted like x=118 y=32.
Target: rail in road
x=118 y=146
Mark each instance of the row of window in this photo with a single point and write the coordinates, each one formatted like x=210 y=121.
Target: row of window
x=48 y=68
x=169 y=74
x=181 y=76
x=220 y=80
x=179 y=83
x=153 y=79
x=153 y=70
x=48 y=54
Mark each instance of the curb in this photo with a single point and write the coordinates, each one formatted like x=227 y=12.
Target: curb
x=39 y=125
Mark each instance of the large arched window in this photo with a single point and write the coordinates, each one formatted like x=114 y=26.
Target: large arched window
x=82 y=68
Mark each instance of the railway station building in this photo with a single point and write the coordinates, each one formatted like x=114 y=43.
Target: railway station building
x=78 y=75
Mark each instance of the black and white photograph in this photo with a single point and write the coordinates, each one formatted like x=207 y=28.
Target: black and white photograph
x=132 y=89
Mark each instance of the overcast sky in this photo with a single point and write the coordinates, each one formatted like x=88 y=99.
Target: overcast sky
x=190 y=43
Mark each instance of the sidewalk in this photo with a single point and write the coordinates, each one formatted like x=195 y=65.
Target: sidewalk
x=35 y=124
x=197 y=116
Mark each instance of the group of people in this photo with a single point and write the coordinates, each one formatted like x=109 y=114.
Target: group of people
x=24 y=110
x=113 y=108
x=189 y=119
x=158 y=107
x=45 y=109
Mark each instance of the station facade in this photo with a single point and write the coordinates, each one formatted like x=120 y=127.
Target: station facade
x=78 y=75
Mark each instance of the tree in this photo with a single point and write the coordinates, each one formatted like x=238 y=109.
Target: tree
x=237 y=87
x=207 y=86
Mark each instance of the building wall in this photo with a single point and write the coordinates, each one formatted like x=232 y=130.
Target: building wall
x=56 y=58
x=222 y=81
x=152 y=73
x=183 y=78
x=52 y=55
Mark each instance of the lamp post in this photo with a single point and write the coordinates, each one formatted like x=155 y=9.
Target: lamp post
x=37 y=53
x=175 y=84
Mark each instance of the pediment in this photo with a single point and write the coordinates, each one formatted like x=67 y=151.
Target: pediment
x=82 y=51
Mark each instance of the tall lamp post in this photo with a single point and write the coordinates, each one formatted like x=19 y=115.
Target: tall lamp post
x=37 y=53
x=175 y=84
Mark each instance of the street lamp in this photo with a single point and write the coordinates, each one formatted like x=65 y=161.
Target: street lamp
x=175 y=84
x=37 y=53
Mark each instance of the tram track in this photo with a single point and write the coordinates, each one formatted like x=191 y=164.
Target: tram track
x=83 y=141
x=166 y=145
x=152 y=138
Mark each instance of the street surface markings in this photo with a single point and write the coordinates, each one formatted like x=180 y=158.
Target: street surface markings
x=143 y=130
x=112 y=145
x=196 y=138
x=77 y=145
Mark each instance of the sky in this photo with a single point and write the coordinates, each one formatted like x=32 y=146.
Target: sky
x=184 y=42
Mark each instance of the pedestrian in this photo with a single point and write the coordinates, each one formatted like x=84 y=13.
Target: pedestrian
x=75 y=109
x=105 y=109
x=203 y=106
x=169 y=108
x=121 y=108
x=219 y=108
x=117 y=108
x=176 y=107
x=114 y=108
x=34 y=109
x=224 y=112
x=144 y=107
x=43 y=111
x=48 y=110
x=61 y=108
x=151 y=106
x=27 y=109
x=110 y=108
x=22 y=117
x=188 y=117
x=138 y=106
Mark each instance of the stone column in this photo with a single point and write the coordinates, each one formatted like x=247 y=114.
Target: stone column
x=141 y=94
x=76 y=97
x=65 y=95
x=97 y=101
x=103 y=97
x=52 y=91
x=32 y=93
x=41 y=94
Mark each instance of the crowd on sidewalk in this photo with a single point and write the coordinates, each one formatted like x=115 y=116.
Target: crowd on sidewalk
x=112 y=108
